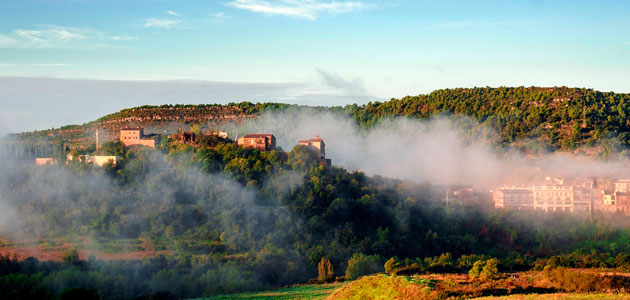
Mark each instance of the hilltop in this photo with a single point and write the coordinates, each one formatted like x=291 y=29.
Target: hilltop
x=532 y=119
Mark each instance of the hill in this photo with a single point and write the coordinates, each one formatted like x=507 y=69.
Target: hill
x=164 y=119
x=537 y=118
x=532 y=119
x=523 y=285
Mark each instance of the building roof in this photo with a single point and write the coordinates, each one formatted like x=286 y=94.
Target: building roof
x=516 y=191
x=257 y=135
x=315 y=140
x=132 y=128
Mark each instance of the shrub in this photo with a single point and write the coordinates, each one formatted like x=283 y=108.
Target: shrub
x=360 y=264
x=484 y=270
x=392 y=264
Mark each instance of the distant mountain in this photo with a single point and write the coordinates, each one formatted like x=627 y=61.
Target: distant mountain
x=534 y=119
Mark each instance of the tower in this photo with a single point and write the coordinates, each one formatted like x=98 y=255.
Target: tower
x=97 y=142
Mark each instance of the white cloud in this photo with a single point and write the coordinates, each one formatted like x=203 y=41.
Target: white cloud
x=161 y=23
x=8 y=42
x=221 y=16
x=172 y=13
x=35 y=65
x=47 y=36
x=122 y=38
x=303 y=9
x=54 y=36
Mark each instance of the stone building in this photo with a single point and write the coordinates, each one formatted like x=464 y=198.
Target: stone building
x=258 y=141
x=135 y=136
x=43 y=161
x=97 y=160
x=317 y=144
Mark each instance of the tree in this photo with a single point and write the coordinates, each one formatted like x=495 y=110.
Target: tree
x=302 y=157
x=476 y=269
x=71 y=256
x=325 y=270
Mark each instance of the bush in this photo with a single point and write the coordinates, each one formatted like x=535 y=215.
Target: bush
x=360 y=264
x=392 y=264
x=485 y=270
x=573 y=281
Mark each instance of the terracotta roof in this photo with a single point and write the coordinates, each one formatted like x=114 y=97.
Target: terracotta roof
x=131 y=128
x=257 y=135
x=316 y=139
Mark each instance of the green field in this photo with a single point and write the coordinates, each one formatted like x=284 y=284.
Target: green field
x=594 y=296
x=301 y=292
x=384 y=287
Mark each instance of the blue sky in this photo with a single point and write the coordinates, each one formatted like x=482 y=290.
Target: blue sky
x=329 y=52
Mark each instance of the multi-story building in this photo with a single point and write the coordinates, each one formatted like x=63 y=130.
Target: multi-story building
x=584 y=199
x=623 y=202
x=262 y=142
x=317 y=144
x=514 y=198
x=553 y=197
x=622 y=185
x=135 y=136
x=609 y=201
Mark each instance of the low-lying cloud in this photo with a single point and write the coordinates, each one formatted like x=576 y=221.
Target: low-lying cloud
x=441 y=151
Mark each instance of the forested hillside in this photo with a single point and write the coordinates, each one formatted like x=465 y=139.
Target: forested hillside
x=532 y=119
x=557 y=118
x=233 y=219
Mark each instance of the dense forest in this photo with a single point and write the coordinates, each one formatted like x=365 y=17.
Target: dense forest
x=234 y=219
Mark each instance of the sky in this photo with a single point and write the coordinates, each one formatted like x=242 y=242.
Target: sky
x=72 y=61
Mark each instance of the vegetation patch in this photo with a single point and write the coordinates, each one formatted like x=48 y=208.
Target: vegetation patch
x=385 y=287
x=300 y=292
x=595 y=296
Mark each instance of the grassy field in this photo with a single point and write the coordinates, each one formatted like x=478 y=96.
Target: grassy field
x=301 y=292
x=521 y=286
x=594 y=296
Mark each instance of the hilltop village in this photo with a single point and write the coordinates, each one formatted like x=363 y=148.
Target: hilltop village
x=135 y=137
